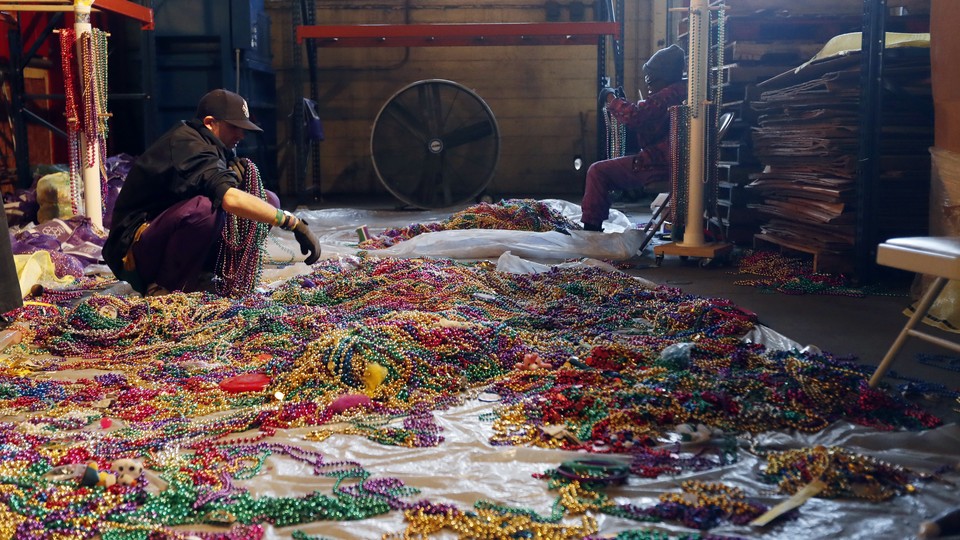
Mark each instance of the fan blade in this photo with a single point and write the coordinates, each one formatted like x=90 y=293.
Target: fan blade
x=467 y=134
x=431 y=107
x=409 y=121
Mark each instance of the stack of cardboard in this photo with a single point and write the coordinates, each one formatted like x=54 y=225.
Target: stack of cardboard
x=807 y=137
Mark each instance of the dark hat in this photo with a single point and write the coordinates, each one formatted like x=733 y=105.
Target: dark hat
x=227 y=106
x=665 y=64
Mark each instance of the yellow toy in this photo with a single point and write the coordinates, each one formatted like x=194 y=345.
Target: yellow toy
x=373 y=376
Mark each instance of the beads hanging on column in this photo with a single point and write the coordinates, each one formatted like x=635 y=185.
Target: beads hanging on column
x=100 y=98
x=86 y=103
x=68 y=41
x=679 y=150
x=714 y=110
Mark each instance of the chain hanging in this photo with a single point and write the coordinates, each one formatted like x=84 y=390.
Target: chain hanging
x=680 y=151
x=240 y=260
x=616 y=135
x=68 y=41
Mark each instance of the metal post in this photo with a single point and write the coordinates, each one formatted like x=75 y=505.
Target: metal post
x=697 y=81
x=872 y=46
x=20 y=142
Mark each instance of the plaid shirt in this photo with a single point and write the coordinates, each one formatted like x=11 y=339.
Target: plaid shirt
x=648 y=121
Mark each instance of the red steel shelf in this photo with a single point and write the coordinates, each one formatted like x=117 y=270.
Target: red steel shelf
x=452 y=35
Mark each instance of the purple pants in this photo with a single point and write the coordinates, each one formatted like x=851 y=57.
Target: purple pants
x=180 y=243
x=614 y=174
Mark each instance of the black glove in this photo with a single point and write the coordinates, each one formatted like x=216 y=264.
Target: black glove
x=308 y=242
x=602 y=98
x=620 y=93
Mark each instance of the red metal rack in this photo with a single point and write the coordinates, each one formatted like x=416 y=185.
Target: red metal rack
x=454 y=35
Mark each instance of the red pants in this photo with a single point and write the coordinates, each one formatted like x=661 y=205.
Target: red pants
x=614 y=174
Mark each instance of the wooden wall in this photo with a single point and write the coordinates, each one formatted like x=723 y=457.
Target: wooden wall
x=944 y=50
x=543 y=97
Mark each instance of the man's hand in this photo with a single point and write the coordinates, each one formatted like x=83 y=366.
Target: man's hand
x=609 y=94
x=606 y=96
x=308 y=242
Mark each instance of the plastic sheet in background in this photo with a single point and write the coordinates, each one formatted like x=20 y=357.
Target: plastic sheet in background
x=336 y=229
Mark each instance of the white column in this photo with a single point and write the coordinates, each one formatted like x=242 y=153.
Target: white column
x=697 y=81
x=92 y=202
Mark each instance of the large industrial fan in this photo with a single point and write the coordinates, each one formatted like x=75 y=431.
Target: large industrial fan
x=435 y=144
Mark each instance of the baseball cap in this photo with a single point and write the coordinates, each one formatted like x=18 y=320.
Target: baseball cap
x=227 y=106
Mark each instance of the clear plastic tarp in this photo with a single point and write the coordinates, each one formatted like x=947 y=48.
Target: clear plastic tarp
x=466 y=468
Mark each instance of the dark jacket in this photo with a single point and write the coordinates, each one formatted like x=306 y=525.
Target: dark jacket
x=648 y=121
x=186 y=161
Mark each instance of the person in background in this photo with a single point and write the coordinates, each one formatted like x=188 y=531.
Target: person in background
x=648 y=123
x=170 y=212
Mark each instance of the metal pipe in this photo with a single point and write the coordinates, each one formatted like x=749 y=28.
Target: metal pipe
x=697 y=80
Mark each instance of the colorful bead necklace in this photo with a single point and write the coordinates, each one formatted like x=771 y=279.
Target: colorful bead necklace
x=240 y=259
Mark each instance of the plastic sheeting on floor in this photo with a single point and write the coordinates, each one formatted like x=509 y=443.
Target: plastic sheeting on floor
x=466 y=468
x=336 y=229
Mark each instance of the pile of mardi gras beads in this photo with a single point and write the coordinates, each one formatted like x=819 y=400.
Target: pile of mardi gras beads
x=435 y=328
x=508 y=214
x=438 y=327
x=491 y=520
x=42 y=496
x=626 y=399
x=844 y=473
x=699 y=505
x=792 y=276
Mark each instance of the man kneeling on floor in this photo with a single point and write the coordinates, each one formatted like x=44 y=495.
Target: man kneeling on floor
x=171 y=211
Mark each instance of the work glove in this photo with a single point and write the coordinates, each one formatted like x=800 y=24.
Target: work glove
x=308 y=242
x=604 y=96
x=607 y=91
